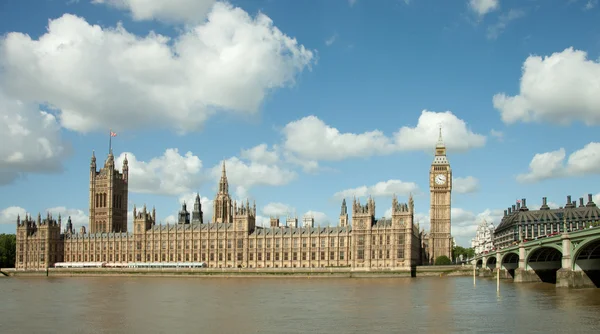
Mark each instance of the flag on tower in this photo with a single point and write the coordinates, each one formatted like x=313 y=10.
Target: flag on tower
x=113 y=134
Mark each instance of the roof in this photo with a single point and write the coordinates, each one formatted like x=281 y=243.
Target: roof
x=569 y=213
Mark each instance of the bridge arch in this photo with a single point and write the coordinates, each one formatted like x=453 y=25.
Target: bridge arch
x=545 y=260
x=479 y=263
x=510 y=262
x=491 y=262
x=586 y=258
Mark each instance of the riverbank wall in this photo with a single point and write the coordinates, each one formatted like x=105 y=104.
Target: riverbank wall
x=419 y=271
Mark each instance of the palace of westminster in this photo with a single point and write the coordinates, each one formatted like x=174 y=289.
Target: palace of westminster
x=232 y=239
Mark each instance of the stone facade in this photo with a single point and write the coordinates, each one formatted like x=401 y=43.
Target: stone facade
x=484 y=238
x=440 y=186
x=232 y=239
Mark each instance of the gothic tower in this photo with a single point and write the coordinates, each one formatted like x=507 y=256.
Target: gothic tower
x=108 y=196
x=440 y=185
x=197 y=214
x=344 y=214
x=222 y=204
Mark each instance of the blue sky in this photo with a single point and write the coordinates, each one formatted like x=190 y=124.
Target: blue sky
x=307 y=101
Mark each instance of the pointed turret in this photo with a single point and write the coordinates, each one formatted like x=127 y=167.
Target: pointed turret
x=223 y=184
x=440 y=151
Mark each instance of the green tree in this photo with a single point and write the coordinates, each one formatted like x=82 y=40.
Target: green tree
x=8 y=250
x=442 y=261
x=465 y=252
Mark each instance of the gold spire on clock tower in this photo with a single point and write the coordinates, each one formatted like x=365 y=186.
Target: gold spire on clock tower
x=440 y=186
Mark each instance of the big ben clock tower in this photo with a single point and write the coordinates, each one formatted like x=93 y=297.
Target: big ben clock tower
x=440 y=186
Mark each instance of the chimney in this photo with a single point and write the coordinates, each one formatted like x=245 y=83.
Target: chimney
x=509 y=210
x=514 y=208
x=523 y=200
x=568 y=199
x=544 y=201
x=580 y=201
x=505 y=213
x=518 y=206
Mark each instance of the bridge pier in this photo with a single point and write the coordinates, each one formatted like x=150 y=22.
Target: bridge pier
x=485 y=272
x=567 y=278
x=526 y=276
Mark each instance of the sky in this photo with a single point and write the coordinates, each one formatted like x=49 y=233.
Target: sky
x=308 y=102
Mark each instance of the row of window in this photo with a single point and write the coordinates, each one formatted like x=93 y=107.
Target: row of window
x=277 y=256
x=100 y=201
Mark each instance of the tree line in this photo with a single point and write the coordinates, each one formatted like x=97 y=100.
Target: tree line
x=8 y=250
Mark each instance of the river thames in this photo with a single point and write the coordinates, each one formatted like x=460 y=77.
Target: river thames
x=294 y=305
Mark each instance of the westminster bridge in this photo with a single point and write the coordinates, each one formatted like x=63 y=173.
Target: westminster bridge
x=570 y=259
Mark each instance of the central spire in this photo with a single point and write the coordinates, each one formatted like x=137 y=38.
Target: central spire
x=223 y=184
x=440 y=142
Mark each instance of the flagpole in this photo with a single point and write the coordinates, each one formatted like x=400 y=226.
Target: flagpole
x=110 y=141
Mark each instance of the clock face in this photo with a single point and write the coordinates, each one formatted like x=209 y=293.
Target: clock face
x=440 y=179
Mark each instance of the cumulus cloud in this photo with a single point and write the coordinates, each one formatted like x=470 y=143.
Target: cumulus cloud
x=551 y=165
x=457 y=136
x=310 y=138
x=560 y=88
x=482 y=7
x=10 y=214
x=78 y=217
x=276 y=209
x=189 y=11
x=247 y=174
x=331 y=40
x=320 y=218
x=384 y=188
x=261 y=154
x=465 y=185
x=31 y=140
x=93 y=75
x=464 y=223
x=169 y=174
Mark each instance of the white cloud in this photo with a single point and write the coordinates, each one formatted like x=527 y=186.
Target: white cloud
x=560 y=88
x=31 y=140
x=331 y=40
x=596 y=198
x=503 y=20
x=190 y=11
x=464 y=223
x=384 y=188
x=352 y=2
x=276 y=209
x=249 y=174
x=321 y=219
x=465 y=185
x=78 y=217
x=261 y=154
x=457 y=136
x=482 y=7
x=550 y=165
x=94 y=75
x=169 y=174
x=310 y=138
x=9 y=215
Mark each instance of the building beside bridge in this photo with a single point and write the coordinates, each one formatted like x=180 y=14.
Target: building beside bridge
x=559 y=246
x=484 y=238
x=519 y=223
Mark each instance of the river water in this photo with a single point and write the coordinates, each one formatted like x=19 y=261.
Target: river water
x=292 y=305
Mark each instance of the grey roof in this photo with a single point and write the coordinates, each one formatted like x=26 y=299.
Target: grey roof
x=570 y=213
